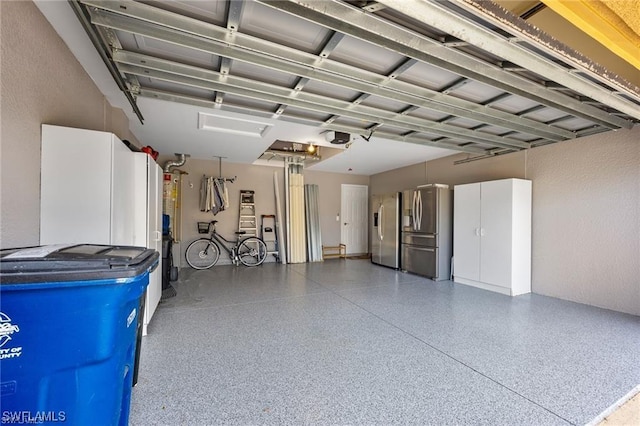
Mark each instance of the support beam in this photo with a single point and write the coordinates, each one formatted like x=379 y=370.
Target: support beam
x=337 y=15
x=139 y=18
x=161 y=69
x=409 y=137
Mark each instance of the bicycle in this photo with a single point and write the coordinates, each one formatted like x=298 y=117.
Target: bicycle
x=203 y=253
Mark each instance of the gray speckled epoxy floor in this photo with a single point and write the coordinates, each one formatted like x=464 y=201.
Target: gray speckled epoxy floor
x=345 y=342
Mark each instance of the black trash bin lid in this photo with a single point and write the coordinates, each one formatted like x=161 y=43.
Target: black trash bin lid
x=81 y=262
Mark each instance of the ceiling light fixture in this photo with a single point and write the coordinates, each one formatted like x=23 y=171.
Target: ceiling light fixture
x=311 y=148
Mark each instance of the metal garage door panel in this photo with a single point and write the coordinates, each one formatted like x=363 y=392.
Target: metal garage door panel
x=426 y=75
x=262 y=74
x=331 y=90
x=269 y=24
x=365 y=55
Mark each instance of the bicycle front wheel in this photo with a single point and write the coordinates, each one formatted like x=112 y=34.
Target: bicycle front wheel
x=252 y=251
x=202 y=254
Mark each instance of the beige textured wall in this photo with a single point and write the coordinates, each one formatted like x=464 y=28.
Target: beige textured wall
x=260 y=180
x=442 y=170
x=586 y=220
x=398 y=179
x=41 y=82
x=255 y=178
x=586 y=213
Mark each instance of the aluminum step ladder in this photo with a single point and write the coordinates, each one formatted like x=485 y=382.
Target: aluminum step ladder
x=247 y=214
x=269 y=234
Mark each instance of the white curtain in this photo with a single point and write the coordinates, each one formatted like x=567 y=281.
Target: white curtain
x=296 y=236
x=314 y=237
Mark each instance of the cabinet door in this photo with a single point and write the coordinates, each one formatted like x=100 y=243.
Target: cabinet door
x=496 y=232
x=75 y=202
x=154 y=198
x=466 y=231
x=154 y=235
x=123 y=194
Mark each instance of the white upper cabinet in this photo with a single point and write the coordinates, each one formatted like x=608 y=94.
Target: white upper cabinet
x=86 y=186
x=492 y=235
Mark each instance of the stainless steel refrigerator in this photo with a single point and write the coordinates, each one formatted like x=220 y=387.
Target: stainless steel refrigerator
x=385 y=229
x=427 y=234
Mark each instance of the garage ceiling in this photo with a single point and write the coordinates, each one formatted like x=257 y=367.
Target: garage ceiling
x=459 y=76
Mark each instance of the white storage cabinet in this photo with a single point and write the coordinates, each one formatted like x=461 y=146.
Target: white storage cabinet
x=492 y=235
x=148 y=223
x=95 y=190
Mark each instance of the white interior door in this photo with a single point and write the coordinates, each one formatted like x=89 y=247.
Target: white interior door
x=354 y=218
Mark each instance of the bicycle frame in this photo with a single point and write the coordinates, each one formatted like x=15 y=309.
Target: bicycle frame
x=222 y=242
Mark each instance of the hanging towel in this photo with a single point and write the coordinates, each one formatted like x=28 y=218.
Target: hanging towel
x=203 y=194
x=226 y=196
x=214 y=196
x=211 y=195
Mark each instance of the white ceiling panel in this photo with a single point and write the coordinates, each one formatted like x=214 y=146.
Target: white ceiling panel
x=268 y=24
x=546 y=114
x=305 y=114
x=476 y=92
x=365 y=55
x=423 y=74
x=165 y=49
x=212 y=11
x=173 y=87
x=574 y=124
x=330 y=90
x=371 y=157
x=515 y=104
x=428 y=114
x=255 y=72
x=383 y=103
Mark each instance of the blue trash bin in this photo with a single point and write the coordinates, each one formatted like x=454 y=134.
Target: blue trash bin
x=68 y=317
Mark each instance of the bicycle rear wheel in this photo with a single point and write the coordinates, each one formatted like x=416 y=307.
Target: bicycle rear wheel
x=202 y=254
x=252 y=251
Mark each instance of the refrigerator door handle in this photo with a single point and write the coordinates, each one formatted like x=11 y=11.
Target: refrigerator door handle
x=419 y=221
x=380 y=221
x=430 y=250
x=413 y=210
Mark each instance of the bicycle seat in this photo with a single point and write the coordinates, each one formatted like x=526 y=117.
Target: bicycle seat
x=214 y=221
x=241 y=232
